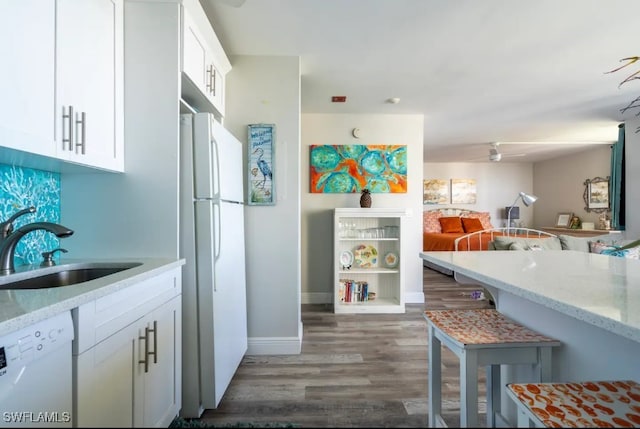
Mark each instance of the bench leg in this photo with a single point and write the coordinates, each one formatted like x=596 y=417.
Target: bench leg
x=435 y=378
x=544 y=364
x=494 y=393
x=469 y=389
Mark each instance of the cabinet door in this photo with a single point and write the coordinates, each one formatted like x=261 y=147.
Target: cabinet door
x=163 y=381
x=27 y=49
x=104 y=395
x=89 y=80
x=194 y=53
x=216 y=86
x=200 y=66
x=121 y=383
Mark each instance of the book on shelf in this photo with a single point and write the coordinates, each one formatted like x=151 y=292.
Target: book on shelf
x=353 y=291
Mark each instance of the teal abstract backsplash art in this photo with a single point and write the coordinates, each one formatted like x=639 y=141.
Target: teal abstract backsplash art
x=24 y=187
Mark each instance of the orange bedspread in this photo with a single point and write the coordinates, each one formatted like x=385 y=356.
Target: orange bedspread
x=443 y=241
x=432 y=241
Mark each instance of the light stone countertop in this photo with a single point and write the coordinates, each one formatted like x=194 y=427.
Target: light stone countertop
x=21 y=308
x=601 y=290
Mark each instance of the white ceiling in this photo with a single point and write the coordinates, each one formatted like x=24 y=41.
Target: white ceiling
x=480 y=71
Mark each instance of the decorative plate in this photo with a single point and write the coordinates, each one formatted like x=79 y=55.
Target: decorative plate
x=391 y=260
x=366 y=256
x=346 y=259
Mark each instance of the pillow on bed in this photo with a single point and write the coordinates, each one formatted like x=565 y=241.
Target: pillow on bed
x=505 y=242
x=451 y=224
x=471 y=224
x=516 y=245
x=600 y=246
x=485 y=219
x=430 y=222
x=568 y=242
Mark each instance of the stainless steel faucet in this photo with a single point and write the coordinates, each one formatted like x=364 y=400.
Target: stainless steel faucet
x=10 y=238
x=6 y=227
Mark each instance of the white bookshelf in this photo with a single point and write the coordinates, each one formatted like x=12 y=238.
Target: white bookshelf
x=369 y=235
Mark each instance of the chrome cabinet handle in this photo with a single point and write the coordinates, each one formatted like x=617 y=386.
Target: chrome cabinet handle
x=155 y=341
x=209 y=77
x=145 y=361
x=82 y=122
x=69 y=118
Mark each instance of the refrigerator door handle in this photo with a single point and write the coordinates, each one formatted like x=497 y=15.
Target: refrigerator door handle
x=216 y=165
x=218 y=231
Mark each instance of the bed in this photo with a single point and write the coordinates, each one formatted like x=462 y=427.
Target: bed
x=453 y=229
x=437 y=238
x=471 y=230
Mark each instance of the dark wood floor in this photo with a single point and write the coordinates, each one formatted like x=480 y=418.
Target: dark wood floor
x=354 y=370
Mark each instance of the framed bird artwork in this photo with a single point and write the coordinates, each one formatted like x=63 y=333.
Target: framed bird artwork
x=261 y=186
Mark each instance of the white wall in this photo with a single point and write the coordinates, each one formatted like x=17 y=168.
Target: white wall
x=317 y=209
x=135 y=214
x=267 y=90
x=497 y=183
x=632 y=196
x=560 y=184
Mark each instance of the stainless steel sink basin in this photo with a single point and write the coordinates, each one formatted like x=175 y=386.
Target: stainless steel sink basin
x=64 y=275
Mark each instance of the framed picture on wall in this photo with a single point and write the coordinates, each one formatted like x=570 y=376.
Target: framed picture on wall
x=597 y=193
x=435 y=191
x=463 y=191
x=352 y=168
x=261 y=152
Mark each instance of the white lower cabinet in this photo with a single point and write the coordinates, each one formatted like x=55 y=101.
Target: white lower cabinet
x=128 y=356
x=368 y=261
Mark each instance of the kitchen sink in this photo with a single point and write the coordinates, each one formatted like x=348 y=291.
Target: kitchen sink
x=64 y=275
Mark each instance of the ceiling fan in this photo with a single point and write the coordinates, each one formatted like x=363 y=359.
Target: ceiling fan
x=496 y=156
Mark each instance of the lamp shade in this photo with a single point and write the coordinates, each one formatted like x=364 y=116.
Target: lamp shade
x=527 y=199
x=514 y=213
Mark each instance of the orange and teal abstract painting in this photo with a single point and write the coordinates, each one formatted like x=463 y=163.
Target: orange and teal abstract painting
x=352 y=168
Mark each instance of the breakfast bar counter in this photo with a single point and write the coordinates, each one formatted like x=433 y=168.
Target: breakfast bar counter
x=590 y=302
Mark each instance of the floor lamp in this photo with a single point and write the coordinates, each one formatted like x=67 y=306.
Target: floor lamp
x=527 y=201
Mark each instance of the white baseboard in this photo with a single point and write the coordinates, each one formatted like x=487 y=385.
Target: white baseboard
x=317 y=298
x=275 y=345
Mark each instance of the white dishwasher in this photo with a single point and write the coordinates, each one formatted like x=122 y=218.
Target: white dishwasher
x=35 y=374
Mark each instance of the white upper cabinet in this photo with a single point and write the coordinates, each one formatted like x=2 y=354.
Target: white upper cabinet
x=89 y=82
x=27 y=76
x=62 y=85
x=204 y=63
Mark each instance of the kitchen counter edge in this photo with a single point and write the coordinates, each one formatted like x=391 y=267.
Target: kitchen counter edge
x=22 y=308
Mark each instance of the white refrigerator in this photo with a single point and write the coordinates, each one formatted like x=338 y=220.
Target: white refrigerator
x=214 y=300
